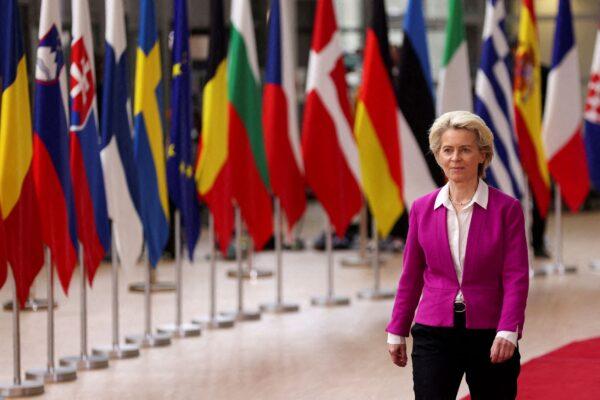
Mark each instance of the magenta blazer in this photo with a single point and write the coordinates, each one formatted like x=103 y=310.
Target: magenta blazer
x=495 y=274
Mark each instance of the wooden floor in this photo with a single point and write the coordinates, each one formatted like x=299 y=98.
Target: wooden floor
x=314 y=354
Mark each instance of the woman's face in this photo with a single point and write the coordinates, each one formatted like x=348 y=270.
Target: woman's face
x=459 y=156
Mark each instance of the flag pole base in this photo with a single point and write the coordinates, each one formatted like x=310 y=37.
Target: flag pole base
x=595 y=265
x=559 y=269
x=330 y=301
x=52 y=375
x=243 y=315
x=85 y=363
x=24 y=389
x=216 y=322
x=30 y=305
x=376 y=294
x=151 y=340
x=180 y=331
x=253 y=273
x=358 y=261
x=279 y=308
x=155 y=287
x=118 y=352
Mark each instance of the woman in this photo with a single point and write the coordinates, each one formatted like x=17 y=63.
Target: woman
x=465 y=273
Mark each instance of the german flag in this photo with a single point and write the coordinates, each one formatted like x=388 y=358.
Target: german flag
x=19 y=212
x=213 y=170
x=376 y=127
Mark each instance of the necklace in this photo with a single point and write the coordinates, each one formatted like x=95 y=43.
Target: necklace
x=459 y=203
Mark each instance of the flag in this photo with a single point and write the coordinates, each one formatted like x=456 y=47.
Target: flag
x=528 y=107
x=118 y=163
x=592 y=117
x=18 y=206
x=562 y=125
x=420 y=172
x=148 y=135
x=494 y=102
x=88 y=182
x=280 y=118
x=248 y=161
x=213 y=167
x=376 y=127
x=51 y=170
x=3 y=271
x=454 y=83
x=329 y=149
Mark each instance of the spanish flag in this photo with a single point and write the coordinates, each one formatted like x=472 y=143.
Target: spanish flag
x=528 y=107
x=19 y=212
x=213 y=171
x=376 y=127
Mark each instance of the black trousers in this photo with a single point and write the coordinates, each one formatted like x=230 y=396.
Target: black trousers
x=441 y=356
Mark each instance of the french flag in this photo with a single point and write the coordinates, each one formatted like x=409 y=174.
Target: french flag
x=592 y=117
x=280 y=118
x=562 y=125
x=51 y=170
x=88 y=181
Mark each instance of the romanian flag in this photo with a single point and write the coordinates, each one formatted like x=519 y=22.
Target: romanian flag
x=376 y=127
x=3 y=271
x=148 y=135
x=528 y=107
x=18 y=206
x=247 y=151
x=213 y=171
x=51 y=170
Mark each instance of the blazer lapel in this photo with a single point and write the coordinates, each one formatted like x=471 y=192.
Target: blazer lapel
x=444 y=254
x=477 y=222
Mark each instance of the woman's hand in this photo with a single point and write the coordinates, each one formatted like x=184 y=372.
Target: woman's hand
x=501 y=351
x=398 y=354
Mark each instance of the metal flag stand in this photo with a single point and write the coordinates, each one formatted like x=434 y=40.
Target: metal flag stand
x=32 y=304
x=595 y=265
x=240 y=314
x=330 y=299
x=52 y=373
x=84 y=361
x=156 y=286
x=558 y=265
x=279 y=306
x=19 y=387
x=376 y=293
x=179 y=329
x=116 y=351
x=213 y=320
x=250 y=272
x=362 y=259
x=527 y=207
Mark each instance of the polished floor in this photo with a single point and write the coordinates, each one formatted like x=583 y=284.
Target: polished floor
x=313 y=354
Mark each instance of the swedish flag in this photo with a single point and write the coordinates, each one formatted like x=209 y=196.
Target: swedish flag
x=148 y=135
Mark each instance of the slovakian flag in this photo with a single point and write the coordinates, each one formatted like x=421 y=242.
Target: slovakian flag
x=563 y=114
x=213 y=166
x=51 y=169
x=494 y=102
x=18 y=206
x=592 y=117
x=180 y=171
x=280 y=116
x=88 y=182
x=118 y=163
x=414 y=92
x=329 y=150
x=148 y=135
x=376 y=127
x=528 y=107
x=248 y=160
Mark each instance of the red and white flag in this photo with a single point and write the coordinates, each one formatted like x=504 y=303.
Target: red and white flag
x=329 y=148
x=563 y=115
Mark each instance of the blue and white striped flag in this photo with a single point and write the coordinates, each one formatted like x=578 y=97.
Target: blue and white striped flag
x=118 y=164
x=493 y=102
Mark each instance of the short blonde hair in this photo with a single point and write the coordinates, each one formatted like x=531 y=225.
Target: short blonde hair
x=470 y=122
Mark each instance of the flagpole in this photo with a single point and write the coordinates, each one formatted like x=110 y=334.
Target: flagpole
x=527 y=207
x=558 y=265
x=179 y=329
x=116 y=351
x=84 y=361
x=330 y=299
x=52 y=373
x=279 y=307
x=376 y=293
x=363 y=259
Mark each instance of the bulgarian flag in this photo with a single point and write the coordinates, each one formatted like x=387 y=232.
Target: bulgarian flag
x=454 y=88
x=528 y=107
x=250 y=179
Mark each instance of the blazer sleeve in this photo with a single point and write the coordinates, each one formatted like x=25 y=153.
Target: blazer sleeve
x=515 y=273
x=411 y=280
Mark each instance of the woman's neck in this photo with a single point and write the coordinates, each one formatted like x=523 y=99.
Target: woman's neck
x=462 y=192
